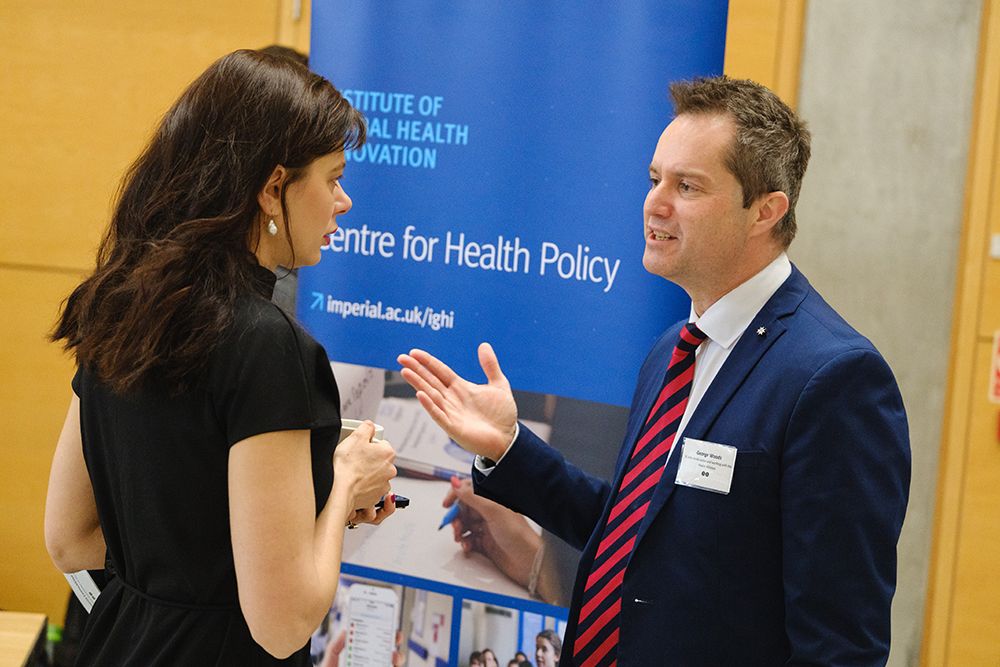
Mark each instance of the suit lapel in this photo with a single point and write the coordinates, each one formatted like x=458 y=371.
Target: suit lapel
x=745 y=356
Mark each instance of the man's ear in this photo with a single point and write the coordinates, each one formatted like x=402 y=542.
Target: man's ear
x=771 y=208
x=269 y=197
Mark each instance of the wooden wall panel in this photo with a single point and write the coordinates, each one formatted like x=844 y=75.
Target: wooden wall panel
x=975 y=609
x=989 y=300
x=34 y=393
x=963 y=600
x=764 y=43
x=83 y=85
x=294 y=24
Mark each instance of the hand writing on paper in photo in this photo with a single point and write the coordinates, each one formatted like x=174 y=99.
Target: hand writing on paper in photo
x=366 y=468
x=480 y=417
x=500 y=534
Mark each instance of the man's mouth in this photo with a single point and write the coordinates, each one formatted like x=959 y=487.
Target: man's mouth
x=660 y=236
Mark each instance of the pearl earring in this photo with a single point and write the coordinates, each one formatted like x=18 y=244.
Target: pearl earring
x=272 y=228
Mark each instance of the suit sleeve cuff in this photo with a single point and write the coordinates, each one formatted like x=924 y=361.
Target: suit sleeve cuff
x=485 y=465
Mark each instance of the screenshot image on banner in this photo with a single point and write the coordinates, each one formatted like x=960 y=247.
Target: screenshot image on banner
x=371 y=626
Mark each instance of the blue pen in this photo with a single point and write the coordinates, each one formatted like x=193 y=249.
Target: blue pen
x=449 y=516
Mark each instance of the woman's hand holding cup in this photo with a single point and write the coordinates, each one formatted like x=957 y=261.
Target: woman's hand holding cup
x=366 y=467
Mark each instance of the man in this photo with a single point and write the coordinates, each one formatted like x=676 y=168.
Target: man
x=763 y=478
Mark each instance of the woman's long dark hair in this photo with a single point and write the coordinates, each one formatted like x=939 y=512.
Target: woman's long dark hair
x=177 y=253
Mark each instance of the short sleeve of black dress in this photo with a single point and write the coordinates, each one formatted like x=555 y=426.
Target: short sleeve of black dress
x=269 y=375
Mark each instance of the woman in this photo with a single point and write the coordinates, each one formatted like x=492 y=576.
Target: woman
x=548 y=648
x=490 y=658
x=197 y=459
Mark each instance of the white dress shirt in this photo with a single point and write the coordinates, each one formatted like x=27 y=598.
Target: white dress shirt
x=724 y=322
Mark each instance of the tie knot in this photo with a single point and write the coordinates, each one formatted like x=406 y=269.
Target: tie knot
x=691 y=337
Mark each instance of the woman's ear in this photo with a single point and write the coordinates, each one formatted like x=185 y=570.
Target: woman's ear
x=269 y=197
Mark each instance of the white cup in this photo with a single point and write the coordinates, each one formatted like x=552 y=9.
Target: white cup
x=347 y=427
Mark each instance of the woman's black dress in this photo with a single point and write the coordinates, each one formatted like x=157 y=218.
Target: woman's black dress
x=158 y=463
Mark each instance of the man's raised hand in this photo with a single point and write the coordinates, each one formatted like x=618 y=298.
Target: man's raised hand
x=480 y=417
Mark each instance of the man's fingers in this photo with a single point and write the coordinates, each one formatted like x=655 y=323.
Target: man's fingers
x=414 y=379
x=490 y=364
x=436 y=397
x=440 y=369
x=436 y=413
x=441 y=400
x=419 y=370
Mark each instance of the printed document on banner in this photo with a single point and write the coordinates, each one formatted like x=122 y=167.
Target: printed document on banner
x=421 y=446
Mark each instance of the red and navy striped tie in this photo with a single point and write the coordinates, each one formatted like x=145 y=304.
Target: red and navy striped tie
x=598 y=623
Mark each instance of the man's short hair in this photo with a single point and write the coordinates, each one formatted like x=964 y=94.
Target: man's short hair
x=771 y=148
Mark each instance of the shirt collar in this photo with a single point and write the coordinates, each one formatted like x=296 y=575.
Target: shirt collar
x=726 y=319
x=263 y=280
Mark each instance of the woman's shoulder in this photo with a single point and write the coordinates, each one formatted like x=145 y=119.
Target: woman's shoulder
x=268 y=373
x=261 y=329
x=256 y=317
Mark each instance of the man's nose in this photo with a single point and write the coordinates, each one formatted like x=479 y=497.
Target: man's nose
x=659 y=202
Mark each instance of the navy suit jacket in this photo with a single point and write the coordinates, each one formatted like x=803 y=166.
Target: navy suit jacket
x=797 y=564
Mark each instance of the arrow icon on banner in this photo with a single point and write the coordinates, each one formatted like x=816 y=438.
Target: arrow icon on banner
x=317 y=300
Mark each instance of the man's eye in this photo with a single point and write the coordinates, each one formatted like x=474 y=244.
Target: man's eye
x=684 y=186
x=653 y=182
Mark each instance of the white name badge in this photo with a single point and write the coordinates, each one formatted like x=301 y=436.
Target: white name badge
x=706 y=465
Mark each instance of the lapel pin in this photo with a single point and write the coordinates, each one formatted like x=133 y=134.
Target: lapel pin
x=761 y=331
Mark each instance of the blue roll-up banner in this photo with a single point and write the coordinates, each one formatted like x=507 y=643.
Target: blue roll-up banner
x=499 y=196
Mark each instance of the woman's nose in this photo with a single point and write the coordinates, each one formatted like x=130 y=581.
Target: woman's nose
x=345 y=201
